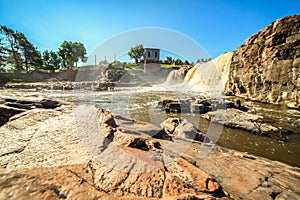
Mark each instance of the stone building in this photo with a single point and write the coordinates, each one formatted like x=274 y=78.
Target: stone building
x=151 y=60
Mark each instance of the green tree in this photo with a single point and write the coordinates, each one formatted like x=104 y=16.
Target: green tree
x=51 y=60
x=186 y=62
x=178 y=61
x=71 y=52
x=169 y=60
x=10 y=48
x=46 y=59
x=65 y=52
x=3 y=58
x=17 y=51
x=136 y=52
x=79 y=52
x=30 y=55
x=55 y=60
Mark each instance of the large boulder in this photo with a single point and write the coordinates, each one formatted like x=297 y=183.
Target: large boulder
x=181 y=128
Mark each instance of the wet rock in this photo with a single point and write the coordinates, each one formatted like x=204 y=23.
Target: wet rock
x=181 y=128
x=182 y=71
x=200 y=108
x=20 y=105
x=170 y=105
x=198 y=105
x=253 y=123
x=7 y=112
x=49 y=103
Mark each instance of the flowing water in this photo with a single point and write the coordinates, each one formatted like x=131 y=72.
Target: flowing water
x=210 y=76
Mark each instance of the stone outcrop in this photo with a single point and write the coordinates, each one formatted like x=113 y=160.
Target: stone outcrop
x=248 y=177
x=182 y=71
x=200 y=105
x=7 y=112
x=182 y=129
x=252 y=123
x=11 y=107
x=267 y=67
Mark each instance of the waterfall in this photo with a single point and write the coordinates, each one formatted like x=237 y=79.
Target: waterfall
x=210 y=76
x=172 y=77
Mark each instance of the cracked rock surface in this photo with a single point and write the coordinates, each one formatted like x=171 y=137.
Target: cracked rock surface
x=85 y=152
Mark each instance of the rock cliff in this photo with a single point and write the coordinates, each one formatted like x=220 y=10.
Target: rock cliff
x=266 y=67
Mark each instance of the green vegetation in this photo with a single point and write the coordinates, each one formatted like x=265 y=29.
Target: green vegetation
x=51 y=60
x=169 y=60
x=132 y=65
x=5 y=79
x=178 y=61
x=71 y=52
x=136 y=53
x=17 y=53
x=167 y=65
x=203 y=60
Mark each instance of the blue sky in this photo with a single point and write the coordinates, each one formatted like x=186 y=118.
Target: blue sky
x=219 y=26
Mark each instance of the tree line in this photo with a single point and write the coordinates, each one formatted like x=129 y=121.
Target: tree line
x=18 y=53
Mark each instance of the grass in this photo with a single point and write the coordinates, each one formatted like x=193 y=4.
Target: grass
x=167 y=65
x=132 y=65
x=24 y=80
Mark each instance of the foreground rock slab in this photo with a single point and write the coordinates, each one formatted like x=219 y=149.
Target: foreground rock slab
x=245 y=176
x=91 y=180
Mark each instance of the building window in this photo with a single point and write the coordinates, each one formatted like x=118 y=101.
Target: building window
x=148 y=54
x=155 y=54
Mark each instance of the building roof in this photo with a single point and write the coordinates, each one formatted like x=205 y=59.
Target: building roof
x=151 y=49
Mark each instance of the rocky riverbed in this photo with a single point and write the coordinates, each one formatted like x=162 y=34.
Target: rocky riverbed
x=231 y=113
x=59 y=150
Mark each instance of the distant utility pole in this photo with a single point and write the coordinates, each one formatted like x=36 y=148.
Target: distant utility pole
x=115 y=57
x=95 y=59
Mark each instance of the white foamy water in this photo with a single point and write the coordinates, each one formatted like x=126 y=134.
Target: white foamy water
x=171 y=78
x=210 y=77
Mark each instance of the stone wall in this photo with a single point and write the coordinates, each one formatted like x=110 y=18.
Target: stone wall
x=35 y=75
x=266 y=67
